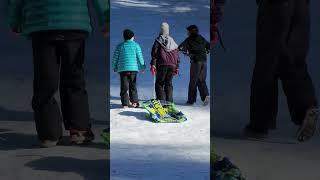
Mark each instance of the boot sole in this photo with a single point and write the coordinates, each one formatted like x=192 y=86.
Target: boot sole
x=48 y=145
x=309 y=125
x=206 y=102
x=80 y=140
x=255 y=136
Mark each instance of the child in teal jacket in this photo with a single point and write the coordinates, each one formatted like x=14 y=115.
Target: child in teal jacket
x=58 y=29
x=128 y=61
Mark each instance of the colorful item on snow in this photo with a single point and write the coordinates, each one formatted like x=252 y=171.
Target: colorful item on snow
x=225 y=170
x=106 y=136
x=163 y=112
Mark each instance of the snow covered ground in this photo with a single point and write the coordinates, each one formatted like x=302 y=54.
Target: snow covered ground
x=141 y=149
x=144 y=150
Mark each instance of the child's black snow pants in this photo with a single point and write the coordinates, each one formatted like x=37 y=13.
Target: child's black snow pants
x=198 y=75
x=282 y=45
x=128 y=83
x=163 y=86
x=58 y=58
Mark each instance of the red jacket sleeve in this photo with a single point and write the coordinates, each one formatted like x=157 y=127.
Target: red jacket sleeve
x=215 y=14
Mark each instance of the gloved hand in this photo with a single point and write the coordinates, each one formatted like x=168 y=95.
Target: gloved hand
x=106 y=30
x=153 y=70
x=176 y=72
x=16 y=30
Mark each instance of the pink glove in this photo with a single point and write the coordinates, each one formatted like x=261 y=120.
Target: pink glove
x=176 y=72
x=153 y=70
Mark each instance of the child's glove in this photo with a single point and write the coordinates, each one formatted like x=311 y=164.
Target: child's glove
x=153 y=70
x=176 y=72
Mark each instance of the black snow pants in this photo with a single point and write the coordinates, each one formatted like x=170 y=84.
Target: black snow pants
x=58 y=58
x=164 y=87
x=128 y=83
x=198 y=75
x=282 y=42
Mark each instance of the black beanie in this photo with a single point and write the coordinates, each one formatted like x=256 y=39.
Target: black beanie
x=193 y=29
x=127 y=34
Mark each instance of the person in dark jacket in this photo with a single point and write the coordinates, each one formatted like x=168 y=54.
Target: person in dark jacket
x=283 y=28
x=197 y=48
x=165 y=63
x=58 y=29
x=216 y=12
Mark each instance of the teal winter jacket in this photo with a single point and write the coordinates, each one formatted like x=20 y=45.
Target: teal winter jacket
x=27 y=16
x=128 y=57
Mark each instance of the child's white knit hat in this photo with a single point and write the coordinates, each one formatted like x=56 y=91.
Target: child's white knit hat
x=164 y=28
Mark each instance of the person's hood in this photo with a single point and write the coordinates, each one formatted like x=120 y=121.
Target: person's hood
x=167 y=42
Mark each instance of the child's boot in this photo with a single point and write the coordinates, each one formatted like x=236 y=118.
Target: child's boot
x=206 y=101
x=309 y=125
x=48 y=143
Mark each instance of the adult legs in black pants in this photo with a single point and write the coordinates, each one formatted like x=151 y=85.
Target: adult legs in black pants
x=282 y=45
x=45 y=84
x=58 y=65
x=73 y=94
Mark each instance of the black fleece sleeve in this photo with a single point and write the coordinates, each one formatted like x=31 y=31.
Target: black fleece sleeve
x=207 y=46
x=183 y=46
x=154 y=53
